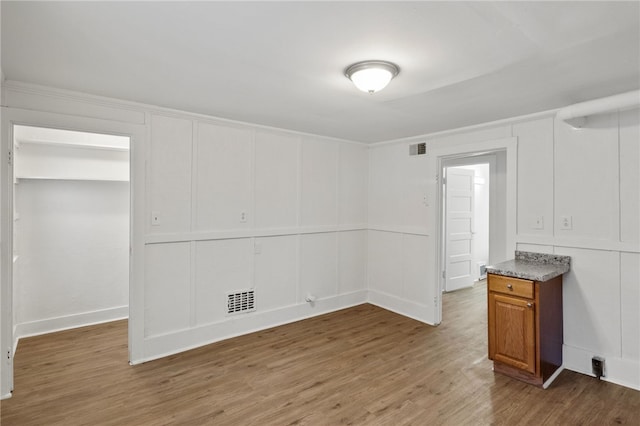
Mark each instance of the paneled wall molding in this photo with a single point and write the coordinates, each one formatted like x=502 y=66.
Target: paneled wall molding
x=583 y=243
x=399 y=230
x=254 y=233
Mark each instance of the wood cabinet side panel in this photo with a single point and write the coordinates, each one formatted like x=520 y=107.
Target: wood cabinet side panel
x=549 y=324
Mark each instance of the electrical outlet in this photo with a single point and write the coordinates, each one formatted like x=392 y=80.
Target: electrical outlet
x=597 y=366
x=257 y=247
x=538 y=222
x=566 y=223
x=155 y=218
x=243 y=216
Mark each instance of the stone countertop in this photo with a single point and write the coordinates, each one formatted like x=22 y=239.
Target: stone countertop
x=532 y=266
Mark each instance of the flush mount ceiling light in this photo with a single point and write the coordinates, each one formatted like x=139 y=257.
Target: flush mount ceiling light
x=371 y=76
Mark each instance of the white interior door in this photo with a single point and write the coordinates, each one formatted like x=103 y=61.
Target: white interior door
x=458 y=228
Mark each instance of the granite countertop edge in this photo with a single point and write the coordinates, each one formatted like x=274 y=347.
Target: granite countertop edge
x=532 y=266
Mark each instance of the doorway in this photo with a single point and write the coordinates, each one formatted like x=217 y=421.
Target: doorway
x=70 y=230
x=136 y=134
x=466 y=195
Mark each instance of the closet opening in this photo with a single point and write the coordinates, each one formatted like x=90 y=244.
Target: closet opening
x=71 y=229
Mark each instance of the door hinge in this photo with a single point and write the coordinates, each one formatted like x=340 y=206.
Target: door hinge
x=9 y=355
x=435 y=301
x=10 y=157
x=444 y=274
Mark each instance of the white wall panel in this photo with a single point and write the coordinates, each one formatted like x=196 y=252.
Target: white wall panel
x=630 y=176
x=167 y=288
x=471 y=136
x=276 y=280
x=318 y=265
x=586 y=171
x=73 y=245
x=352 y=202
x=352 y=261
x=415 y=185
x=386 y=184
x=415 y=254
x=224 y=177
x=535 y=248
x=535 y=175
x=276 y=180
x=319 y=183
x=221 y=266
x=591 y=301
x=630 y=309
x=169 y=179
x=385 y=263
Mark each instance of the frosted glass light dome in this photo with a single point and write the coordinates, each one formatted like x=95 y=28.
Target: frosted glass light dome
x=371 y=76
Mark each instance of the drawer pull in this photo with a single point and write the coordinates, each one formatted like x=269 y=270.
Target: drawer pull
x=529 y=305
x=509 y=286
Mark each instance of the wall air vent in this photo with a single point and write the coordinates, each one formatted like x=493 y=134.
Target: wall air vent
x=418 y=148
x=240 y=301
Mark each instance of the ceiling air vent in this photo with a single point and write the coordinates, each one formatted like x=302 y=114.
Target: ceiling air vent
x=418 y=148
x=240 y=301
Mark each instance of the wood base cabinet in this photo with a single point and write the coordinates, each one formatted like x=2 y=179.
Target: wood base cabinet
x=525 y=327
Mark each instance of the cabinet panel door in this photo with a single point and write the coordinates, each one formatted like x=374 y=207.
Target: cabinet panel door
x=512 y=331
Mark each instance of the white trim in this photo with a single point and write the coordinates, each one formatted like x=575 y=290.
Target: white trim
x=621 y=371
x=51 y=92
x=52 y=325
x=550 y=380
x=406 y=308
x=239 y=325
x=247 y=233
x=405 y=230
x=497 y=123
x=580 y=243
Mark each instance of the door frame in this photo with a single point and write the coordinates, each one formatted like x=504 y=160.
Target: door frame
x=137 y=151
x=439 y=157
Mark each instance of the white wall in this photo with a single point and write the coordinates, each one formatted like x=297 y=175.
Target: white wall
x=72 y=243
x=590 y=174
x=242 y=207
x=302 y=236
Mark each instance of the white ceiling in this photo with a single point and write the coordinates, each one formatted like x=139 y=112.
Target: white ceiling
x=281 y=63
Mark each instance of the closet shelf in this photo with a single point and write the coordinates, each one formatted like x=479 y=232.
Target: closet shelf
x=19 y=178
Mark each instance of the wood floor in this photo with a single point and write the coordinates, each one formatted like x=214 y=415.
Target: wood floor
x=362 y=365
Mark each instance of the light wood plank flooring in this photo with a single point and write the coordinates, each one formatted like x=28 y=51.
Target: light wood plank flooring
x=362 y=365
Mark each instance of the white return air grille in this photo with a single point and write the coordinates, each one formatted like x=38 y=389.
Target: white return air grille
x=418 y=148
x=240 y=301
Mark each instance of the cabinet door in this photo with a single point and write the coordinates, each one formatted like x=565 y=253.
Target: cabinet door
x=512 y=331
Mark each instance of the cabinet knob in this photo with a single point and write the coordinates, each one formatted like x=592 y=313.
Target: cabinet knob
x=509 y=286
x=529 y=305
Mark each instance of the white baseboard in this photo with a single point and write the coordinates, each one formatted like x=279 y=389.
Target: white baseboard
x=400 y=306
x=51 y=325
x=621 y=371
x=168 y=344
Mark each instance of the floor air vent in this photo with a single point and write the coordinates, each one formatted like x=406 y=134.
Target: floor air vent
x=240 y=301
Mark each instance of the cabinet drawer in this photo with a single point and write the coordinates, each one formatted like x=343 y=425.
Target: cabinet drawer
x=513 y=286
